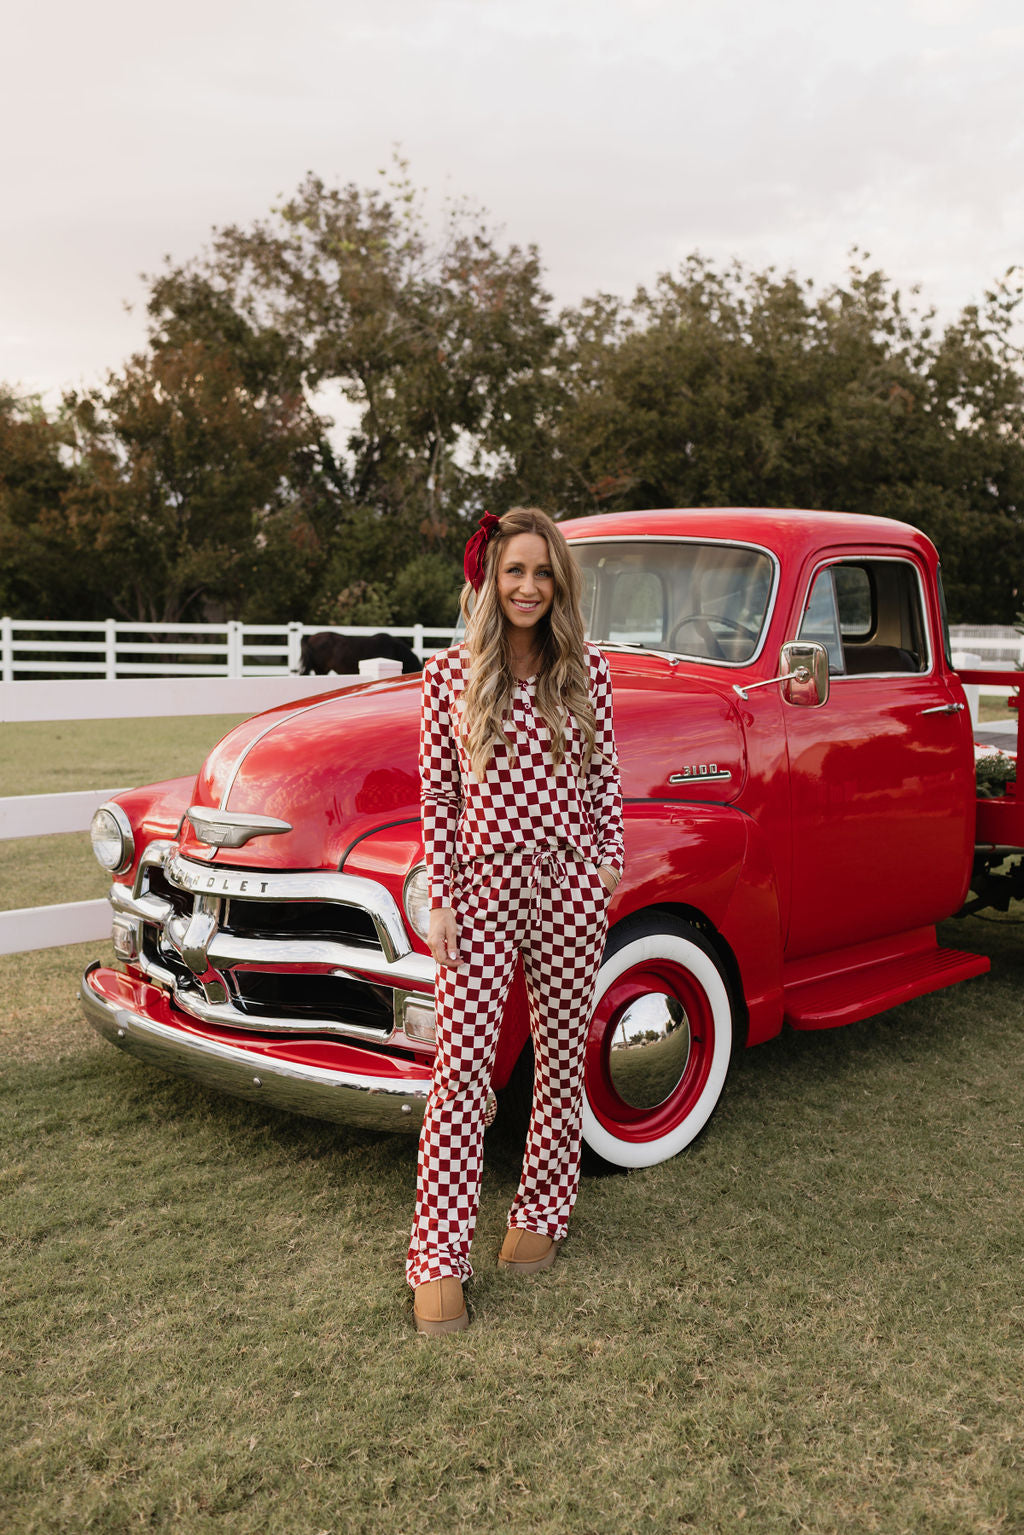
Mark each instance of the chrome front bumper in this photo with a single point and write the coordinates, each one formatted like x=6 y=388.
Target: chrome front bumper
x=387 y=1095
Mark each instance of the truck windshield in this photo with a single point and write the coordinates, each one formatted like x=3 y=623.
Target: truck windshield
x=707 y=601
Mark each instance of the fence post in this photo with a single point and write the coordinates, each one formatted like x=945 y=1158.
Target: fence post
x=294 y=646
x=380 y=668
x=110 y=648
x=963 y=660
x=235 y=640
x=417 y=640
x=6 y=649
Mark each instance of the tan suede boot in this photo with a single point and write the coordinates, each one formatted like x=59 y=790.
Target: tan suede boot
x=438 y=1306
x=527 y=1251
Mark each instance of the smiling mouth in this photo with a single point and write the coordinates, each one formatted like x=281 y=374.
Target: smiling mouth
x=525 y=607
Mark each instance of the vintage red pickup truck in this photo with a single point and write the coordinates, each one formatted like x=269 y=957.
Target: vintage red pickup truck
x=800 y=810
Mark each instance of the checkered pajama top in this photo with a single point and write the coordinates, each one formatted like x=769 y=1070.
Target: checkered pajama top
x=521 y=803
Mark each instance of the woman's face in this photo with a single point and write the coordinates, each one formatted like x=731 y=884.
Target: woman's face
x=526 y=582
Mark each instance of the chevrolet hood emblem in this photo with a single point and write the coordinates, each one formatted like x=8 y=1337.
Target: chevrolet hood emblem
x=232 y=828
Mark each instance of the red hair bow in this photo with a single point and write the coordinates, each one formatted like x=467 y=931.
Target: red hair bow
x=476 y=550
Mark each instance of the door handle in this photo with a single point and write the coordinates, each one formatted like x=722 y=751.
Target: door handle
x=944 y=709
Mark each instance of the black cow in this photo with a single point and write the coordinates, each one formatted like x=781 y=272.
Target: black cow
x=329 y=652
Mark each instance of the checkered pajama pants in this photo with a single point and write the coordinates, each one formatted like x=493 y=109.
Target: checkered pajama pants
x=552 y=909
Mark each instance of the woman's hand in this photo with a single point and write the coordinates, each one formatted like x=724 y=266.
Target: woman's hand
x=443 y=937
x=608 y=877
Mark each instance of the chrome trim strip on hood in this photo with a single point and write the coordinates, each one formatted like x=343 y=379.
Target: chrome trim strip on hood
x=261 y=735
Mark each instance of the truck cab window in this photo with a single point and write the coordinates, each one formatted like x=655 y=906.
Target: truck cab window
x=587 y=597
x=821 y=620
x=705 y=601
x=877 y=609
x=855 y=600
x=637 y=608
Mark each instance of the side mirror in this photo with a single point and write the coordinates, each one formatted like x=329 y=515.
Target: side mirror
x=803 y=665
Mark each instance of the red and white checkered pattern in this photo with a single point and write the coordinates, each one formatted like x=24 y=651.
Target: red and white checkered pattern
x=523 y=800
x=550 y=905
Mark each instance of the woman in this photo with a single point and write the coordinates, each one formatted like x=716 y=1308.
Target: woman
x=522 y=826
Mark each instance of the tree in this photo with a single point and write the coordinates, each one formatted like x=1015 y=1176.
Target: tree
x=204 y=477
x=441 y=345
x=185 y=476
x=41 y=573
x=716 y=388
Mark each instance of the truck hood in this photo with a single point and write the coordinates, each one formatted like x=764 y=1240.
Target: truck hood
x=337 y=767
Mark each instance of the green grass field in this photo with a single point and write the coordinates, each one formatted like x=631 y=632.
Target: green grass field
x=811 y=1321
x=994 y=709
x=52 y=758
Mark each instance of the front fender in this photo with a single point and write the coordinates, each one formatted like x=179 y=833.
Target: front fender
x=680 y=854
x=715 y=861
x=155 y=811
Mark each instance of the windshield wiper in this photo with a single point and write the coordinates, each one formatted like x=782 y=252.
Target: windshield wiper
x=627 y=645
x=634 y=646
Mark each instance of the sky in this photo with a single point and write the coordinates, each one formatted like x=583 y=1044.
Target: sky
x=616 y=135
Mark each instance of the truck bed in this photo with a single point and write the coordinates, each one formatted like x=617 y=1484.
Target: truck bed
x=1000 y=821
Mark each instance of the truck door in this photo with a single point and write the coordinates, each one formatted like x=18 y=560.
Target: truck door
x=882 y=776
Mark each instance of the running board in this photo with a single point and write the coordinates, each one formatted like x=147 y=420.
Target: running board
x=861 y=990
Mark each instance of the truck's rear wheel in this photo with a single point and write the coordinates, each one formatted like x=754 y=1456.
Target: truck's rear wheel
x=660 y=1042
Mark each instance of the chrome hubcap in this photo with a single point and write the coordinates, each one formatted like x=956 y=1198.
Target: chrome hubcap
x=650 y=1049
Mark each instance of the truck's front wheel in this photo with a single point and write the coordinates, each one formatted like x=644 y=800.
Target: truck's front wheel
x=660 y=1043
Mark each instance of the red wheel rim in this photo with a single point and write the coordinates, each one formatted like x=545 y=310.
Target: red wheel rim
x=623 y=1119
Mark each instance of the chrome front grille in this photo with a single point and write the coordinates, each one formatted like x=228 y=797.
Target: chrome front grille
x=316 y=953
x=156 y=883
x=342 y=999
x=163 y=963
x=302 y=919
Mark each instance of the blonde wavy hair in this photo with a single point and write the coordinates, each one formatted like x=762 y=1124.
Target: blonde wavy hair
x=563 y=680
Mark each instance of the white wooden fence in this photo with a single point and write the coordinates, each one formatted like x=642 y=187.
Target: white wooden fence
x=33 y=648
x=989 y=646
x=108 y=648
x=995 y=643
x=34 y=815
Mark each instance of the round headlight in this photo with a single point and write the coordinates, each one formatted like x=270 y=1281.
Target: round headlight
x=416 y=896
x=112 y=840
